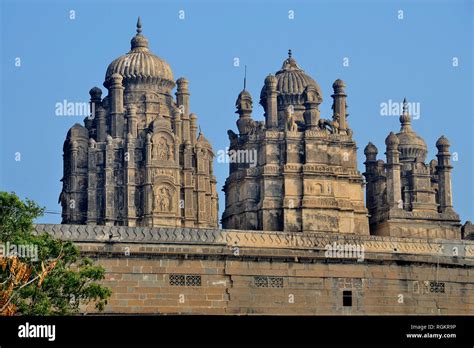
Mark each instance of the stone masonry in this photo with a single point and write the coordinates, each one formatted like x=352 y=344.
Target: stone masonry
x=211 y=271
x=305 y=177
x=407 y=197
x=139 y=197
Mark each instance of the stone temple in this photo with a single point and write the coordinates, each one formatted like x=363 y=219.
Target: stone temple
x=407 y=197
x=306 y=177
x=139 y=161
x=298 y=236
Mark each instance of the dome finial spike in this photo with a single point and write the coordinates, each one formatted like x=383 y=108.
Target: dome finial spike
x=245 y=77
x=289 y=53
x=405 y=106
x=139 y=25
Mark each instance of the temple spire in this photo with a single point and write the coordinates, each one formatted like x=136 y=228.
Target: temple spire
x=245 y=77
x=139 y=41
x=405 y=118
x=139 y=25
x=290 y=53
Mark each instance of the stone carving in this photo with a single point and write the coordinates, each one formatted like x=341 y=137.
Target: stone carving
x=134 y=141
x=405 y=194
x=295 y=144
x=330 y=126
x=163 y=199
x=163 y=151
x=291 y=125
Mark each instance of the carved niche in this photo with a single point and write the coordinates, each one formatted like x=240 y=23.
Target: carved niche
x=163 y=148
x=163 y=200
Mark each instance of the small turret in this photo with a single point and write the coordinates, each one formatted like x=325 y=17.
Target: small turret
x=339 y=103
x=444 y=168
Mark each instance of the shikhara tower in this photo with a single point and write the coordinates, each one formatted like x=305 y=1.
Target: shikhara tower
x=407 y=197
x=139 y=161
x=306 y=178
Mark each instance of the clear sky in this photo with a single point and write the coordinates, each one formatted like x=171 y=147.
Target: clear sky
x=427 y=56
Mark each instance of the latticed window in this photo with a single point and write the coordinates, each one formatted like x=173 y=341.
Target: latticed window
x=185 y=280
x=275 y=282
x=437 y=287
x=193 y=280
x=261 y=282
x=177 y=280
x=268 y=282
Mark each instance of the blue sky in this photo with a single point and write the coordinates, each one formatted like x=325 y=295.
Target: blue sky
x=389 y=58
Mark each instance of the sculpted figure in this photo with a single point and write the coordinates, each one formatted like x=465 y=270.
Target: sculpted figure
x=291 y=125
x=164 y=199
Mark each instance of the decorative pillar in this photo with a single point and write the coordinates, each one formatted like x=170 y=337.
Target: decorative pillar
x=177 y=124
x=311 y=113
x=394 y=190
x=148 y=192
x=109 y=189
x=339 y=103
x=116 y=105
x=193 y=130
x=271 y=109
x=444 y=175
x=95 y=102
x=72 y=203
x=132 y=121
x=92 y=184
x=101 y=124
x=244 y=110
x=182 y=95
x=130 y=180
x=370 y=152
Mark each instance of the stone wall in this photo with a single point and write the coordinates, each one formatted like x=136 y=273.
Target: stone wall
x=206 y=271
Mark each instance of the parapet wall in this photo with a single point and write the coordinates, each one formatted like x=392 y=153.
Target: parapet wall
x=211 y=271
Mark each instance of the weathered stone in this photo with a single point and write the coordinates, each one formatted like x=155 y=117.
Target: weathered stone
x=139 y=161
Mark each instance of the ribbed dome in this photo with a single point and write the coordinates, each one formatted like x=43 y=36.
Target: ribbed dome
x=442 y=142
x=292 y=82
x=411 y=145
x=141 y=63
x=370 y=149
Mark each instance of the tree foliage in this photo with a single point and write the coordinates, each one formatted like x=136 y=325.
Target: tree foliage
x=55 y=282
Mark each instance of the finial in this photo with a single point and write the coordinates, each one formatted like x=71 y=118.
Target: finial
x=405 y=105
x=139 y=25
x=405 y=118
x=200 y=130
x=245 y=77
x=139 y=41
x=289 y=53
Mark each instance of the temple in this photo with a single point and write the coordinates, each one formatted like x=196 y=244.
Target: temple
x=298 y=236
x=138 y=160
x=306 y=177
x=407 y=197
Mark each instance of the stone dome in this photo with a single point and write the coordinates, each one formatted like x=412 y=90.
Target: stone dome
x=442 y=143
x=141 y=63
x=338 y=84
x=412 y=147
x=392 y=140
x=291 y=83
x=370 y=149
